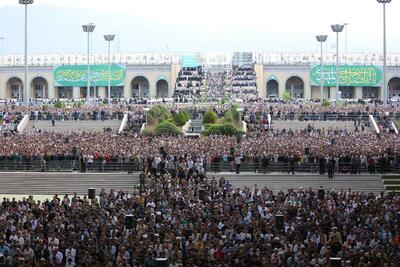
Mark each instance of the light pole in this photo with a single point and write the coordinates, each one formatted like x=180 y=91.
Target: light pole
x=1 y=45
x=26 y=91
x=109 y=38
x=385 y=92
x=88 y=28
x=345 y=37
x=337 y=28
x=321 y=39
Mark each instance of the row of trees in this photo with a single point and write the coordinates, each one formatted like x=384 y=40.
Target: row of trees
x=160 y=121
x=229 y=124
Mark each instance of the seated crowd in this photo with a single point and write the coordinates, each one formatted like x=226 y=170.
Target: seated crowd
x=183 y=218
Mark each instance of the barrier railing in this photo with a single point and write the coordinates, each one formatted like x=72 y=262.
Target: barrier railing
x=68 y=165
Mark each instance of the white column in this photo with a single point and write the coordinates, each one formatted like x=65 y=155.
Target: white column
x=76 y=92
x=358 y=92
x=102 y=92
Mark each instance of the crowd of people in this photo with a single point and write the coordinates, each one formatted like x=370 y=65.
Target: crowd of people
x=183 y=218
x=305 y=146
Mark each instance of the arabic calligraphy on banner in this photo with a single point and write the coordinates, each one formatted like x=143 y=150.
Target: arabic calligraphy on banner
x=348 y=75
x=76 y=75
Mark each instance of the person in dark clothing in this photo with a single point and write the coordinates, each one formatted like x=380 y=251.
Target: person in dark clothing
x=291 y=164
x=331 y=168
x=322 y=165
x=264 y=163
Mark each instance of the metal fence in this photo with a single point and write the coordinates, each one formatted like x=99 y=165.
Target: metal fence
x=8 y=165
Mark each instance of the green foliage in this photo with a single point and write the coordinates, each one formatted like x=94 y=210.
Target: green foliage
x=234 y=107
x=209 y=117
x=59 y=104
x=148 y=132
x=325 y=103
x=78 y=104
x=286 y=96
x=237 y=117
x=167 y=128
x=181 y=118
x=221 y=129
x=228 y=117
x=157 y=114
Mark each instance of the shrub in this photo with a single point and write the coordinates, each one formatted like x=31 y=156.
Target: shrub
x=167 y=128
x=286 y=96
x=59 y=104
x=78 y=104
x=148 y=132
x=209 y=117
x=325 y=103
x=237 y=117
x=157 y=114
x=221 y=129
x=228 y=117
x=181 y=118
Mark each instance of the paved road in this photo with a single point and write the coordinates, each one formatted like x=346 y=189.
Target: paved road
x=67 y=183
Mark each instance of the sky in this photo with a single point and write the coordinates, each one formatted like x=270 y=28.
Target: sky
x=198 y=26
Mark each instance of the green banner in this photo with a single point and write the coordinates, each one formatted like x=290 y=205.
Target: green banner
x=76 y=75
x=349 y=75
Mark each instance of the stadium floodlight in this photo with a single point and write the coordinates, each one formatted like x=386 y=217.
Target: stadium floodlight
x=384 y=87
x=337 y=28
x=88 y=28
x=109 y=38
x=26 y=91
x=322 y=40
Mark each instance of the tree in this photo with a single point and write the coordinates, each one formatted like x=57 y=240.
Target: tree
x=209 y=117
x=157 y=114
x=286 y=96
x=325 y=103
x=167 y=128
x=228 y=117
x=181 y=118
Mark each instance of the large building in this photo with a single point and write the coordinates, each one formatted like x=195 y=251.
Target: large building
x=155 y=75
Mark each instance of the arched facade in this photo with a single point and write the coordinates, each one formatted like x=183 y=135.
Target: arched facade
x=14 y=88
x=394 y=88
x=162 y=88
x=140 y=87
x=39 y=88
x=272 y=87
x=295 y=86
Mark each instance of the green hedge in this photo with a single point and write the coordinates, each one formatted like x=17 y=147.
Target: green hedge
x=221 y=129
x=167 y=128
x=209 y=117
x=326 y=103
x=157 y=114
x=181 y=118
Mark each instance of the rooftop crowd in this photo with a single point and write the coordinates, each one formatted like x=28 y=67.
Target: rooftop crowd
x=194 y=220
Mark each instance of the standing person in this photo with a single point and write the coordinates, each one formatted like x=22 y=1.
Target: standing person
x=291 y=164
x=331 y=168
x=238 y=162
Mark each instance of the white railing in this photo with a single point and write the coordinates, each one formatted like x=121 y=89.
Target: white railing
x=395 y=128
x=223 y=59
x=372 y=122
x=124 y=122
x=269 y=122
x=22 y=125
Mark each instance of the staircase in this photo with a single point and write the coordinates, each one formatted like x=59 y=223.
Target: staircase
x=391 y=183
x=195 y=127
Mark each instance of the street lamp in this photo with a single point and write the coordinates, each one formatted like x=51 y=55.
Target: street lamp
x=322 y=39
x=337 y=28
x=26 y=91
x=385 y=92
x=1 y=45
x=88 y=28
x=345 y=37
x=109 y=38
